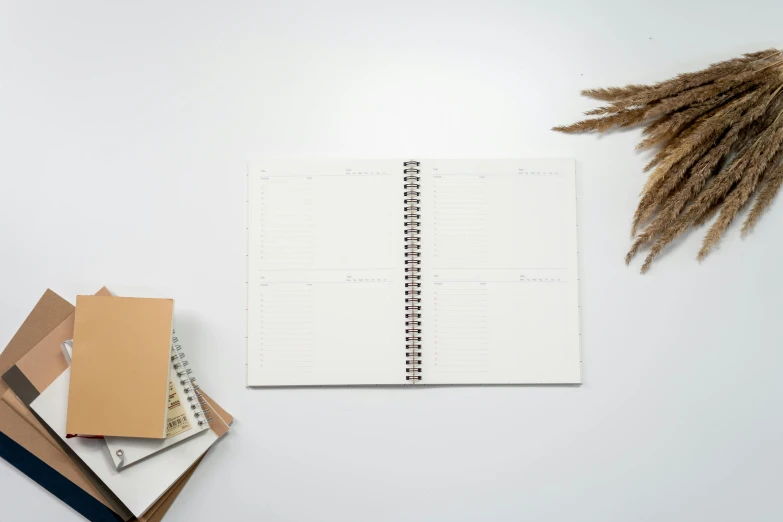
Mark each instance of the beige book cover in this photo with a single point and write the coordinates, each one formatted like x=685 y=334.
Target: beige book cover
x=120 y=366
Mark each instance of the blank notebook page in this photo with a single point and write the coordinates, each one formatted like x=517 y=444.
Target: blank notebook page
x=325 y=273
x=499 y=286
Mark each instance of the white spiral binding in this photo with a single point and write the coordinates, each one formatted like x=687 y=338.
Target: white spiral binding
x=184 y=374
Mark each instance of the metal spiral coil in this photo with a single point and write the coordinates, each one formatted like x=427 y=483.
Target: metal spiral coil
x=194 y=397
x=412 y=272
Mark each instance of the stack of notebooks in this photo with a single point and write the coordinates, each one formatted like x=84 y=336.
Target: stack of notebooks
x=100 y=406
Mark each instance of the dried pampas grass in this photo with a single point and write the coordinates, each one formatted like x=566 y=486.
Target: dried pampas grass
x=720 y=135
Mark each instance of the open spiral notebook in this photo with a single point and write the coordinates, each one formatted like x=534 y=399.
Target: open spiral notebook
x=388 y=272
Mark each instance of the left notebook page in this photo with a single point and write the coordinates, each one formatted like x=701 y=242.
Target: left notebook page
x=325 y=273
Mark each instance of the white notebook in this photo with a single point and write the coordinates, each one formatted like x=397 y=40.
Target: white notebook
x=137 y=486
x=387 y=272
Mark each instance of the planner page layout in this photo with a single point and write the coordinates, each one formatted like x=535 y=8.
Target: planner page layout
x=325 y=273
x=499 y=279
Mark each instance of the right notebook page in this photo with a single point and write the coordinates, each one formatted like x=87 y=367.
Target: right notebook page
x=500 y=301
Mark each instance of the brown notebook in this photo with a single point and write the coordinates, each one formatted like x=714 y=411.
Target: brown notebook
x=120 y=366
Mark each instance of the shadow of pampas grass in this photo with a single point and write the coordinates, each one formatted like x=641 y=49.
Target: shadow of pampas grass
x=720 y=135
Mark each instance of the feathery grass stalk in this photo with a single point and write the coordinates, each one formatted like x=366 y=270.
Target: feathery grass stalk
x=720 y=138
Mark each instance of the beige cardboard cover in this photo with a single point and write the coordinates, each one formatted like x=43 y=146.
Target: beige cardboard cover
x=50 y=311
x=120 y=366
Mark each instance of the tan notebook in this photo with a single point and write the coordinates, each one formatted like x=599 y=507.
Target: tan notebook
x=120 y=368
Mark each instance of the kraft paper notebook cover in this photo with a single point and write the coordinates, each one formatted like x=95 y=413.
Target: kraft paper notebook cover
x=49 y=465
x=50 y=311
x=53 y=482
x=37 y=359
x=186 y=416
x=480 y=286
x=126 y=336
x=159 y=509
x=10 y=398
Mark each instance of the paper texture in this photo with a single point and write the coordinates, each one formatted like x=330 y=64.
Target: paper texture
x=53 y=482
x=182 y=424
x=44 y=361
x=326 y=273
x=50 y=311
x=137 y=486
x=42 y=374
x=177 y=420
x=225 y=419
x=499 y=273
x=498 y=257
x=120 y=366
x=19 y=407
x=156 y=512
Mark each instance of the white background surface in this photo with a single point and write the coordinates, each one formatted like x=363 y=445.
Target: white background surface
x=125 y=132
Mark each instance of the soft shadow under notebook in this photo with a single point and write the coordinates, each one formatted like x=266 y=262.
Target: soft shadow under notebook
x=383 y=272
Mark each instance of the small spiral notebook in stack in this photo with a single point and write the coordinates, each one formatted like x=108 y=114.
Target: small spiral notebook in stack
x=186 y=417
x=387 y=272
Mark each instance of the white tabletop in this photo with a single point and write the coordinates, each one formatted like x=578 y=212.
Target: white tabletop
x=125 y=132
